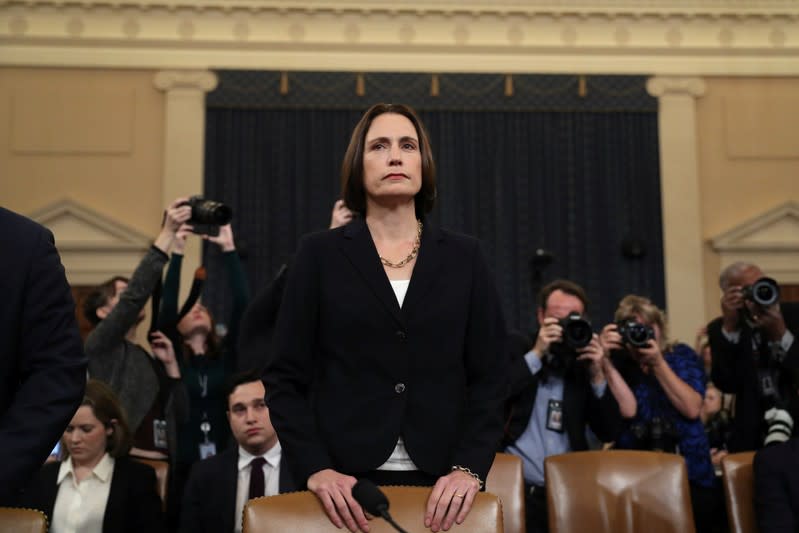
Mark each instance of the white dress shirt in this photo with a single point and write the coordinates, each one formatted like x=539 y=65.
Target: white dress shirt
x=271 y=479
x=80 y=507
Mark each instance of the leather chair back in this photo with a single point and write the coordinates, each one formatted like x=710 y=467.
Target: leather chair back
x=18 y=520
x=739 y=494
x=302 y=512
x=161 y=476
x=618 y=491
x=506 y=480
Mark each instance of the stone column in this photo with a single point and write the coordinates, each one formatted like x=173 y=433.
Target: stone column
x=682 y=221
x=184 y=147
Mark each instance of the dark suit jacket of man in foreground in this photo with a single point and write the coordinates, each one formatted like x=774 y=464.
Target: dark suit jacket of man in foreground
x=133 y=504
x=432 y=371
x=776 y=470
x=42 y=364
x=209 y=499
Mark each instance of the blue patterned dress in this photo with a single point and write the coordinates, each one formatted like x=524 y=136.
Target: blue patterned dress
x=652 y=402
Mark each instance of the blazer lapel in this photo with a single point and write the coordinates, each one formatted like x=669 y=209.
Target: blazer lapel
x=359 y=248
x=229 y=487
x=113 y=519
x=428 y=261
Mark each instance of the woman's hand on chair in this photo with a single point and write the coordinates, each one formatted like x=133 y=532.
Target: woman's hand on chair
x=334 y=490
x=451 y=500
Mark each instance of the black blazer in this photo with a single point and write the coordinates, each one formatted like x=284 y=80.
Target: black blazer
x=209 y=498
x=42 y=364
x=352 y=371
x=133 y=504
x=735 y=372
x=580 y=405
x=776 y=470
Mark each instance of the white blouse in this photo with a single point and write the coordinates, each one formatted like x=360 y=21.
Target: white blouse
x=80 y=507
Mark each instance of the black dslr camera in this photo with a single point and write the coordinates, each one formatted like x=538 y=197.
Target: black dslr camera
x=659 y=434
x=634 y=333
x=764 y=292
x=577 y=332
x=208 y=215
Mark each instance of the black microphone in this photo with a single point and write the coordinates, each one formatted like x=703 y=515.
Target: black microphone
x=373 y=501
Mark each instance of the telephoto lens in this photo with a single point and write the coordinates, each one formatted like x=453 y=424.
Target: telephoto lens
x=577 y=332
x=764 y=292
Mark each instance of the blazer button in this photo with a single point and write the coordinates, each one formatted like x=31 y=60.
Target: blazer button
x=401 y=335
x=399 y=388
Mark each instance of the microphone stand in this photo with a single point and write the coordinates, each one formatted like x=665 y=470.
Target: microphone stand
x=387 y=518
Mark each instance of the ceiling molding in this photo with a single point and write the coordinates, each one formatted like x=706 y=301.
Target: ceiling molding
x=670 y=37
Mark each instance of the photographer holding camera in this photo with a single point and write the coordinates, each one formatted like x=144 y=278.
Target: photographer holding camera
x=669 y=383
x=755 y=357
x=559 y=384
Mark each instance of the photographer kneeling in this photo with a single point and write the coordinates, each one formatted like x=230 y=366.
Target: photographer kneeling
x=669 y=384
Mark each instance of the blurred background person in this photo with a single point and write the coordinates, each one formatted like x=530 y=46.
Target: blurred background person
x=220 y=486
x=669 y=384
x=97 y=487
x=205 y=360
x=756 y=357
x=565 y=366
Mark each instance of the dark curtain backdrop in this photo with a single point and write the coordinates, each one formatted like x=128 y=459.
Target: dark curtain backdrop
x=583 y=185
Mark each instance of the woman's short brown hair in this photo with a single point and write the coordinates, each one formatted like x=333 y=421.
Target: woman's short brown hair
x=352 y=188
x=632 y=306
x=109 y=412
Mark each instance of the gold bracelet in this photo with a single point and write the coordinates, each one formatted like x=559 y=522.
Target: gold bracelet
x=467 y=471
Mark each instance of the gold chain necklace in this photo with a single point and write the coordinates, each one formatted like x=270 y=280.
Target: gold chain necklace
x=412 y=255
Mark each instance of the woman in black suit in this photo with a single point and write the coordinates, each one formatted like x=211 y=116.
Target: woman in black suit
x=96 y=487
x=389 y=360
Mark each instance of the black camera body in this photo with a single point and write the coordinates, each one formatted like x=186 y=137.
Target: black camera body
x=208 y=215
x=634 y=333
x=764 y=292
x=577 y=332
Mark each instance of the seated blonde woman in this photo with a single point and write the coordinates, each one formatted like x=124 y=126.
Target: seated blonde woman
x=96 y=487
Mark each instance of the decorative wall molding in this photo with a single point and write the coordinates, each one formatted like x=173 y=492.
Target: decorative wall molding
x=770 y=240
x=710 y=37
x=93 y=247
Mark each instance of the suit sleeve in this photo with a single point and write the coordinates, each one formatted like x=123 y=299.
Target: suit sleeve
x=604 y=417
x=144 y=504
x=486 y=361
x=52 y=369
x=773 y=509
x=726 y=358
x=191 y=510
x=289 y=371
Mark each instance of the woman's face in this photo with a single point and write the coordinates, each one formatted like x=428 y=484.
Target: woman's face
x=712 y=402
x=198 y=319
x=86 y=437
x=392 y=160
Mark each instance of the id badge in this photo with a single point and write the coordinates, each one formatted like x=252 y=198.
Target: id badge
x=766 y=382
x=207 y=449
x=159 y=434
x=555 y=416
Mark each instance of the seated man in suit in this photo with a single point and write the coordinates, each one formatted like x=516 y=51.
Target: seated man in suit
x=556 y=390
x=220 y=486
x=776 y=471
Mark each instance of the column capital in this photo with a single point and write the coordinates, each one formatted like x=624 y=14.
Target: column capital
x=201 y=80
x=675 y=85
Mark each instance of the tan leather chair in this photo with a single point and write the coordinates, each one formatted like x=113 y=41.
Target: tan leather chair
x=161 y=476
x=302 y=512
x=618 y=491
x=18 y=520
x=739 y=494
x=506 y=480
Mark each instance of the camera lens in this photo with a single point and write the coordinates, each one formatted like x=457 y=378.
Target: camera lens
x=764 y=292
x=209 y=212
x=577 y=332
x=635 y=333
